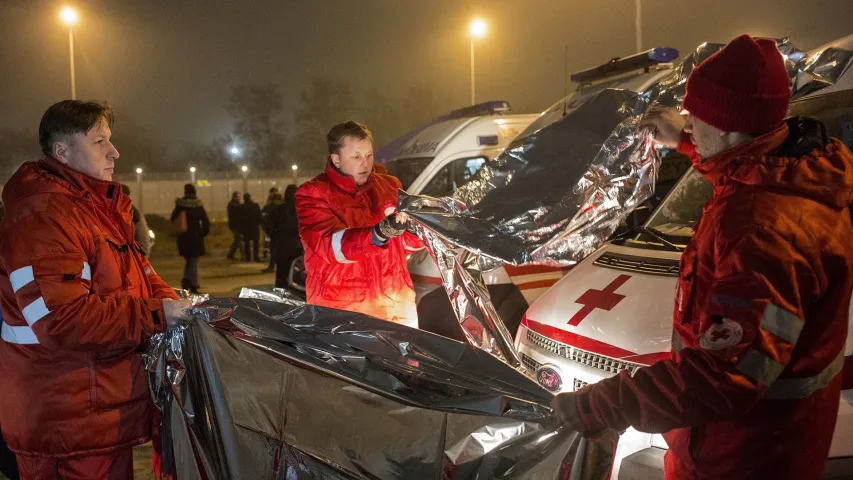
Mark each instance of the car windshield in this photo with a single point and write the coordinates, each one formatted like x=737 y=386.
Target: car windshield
x=677 y=215
x=407 y=169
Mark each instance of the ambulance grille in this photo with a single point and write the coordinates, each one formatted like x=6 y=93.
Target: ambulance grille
x=579 y=384
x=530 y=363
x=589 y=359
x=629 y=263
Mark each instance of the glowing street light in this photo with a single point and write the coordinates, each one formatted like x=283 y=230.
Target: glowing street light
x=477 y=29
x=245 y=170
x=192 y=175
x=234 y=151
x=69 y=17
x=293 y=169
x=139 y=203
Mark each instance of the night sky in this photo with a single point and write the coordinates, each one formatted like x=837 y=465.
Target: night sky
x=171 y=63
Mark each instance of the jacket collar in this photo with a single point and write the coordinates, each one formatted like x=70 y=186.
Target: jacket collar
x=717 y=168
x=344 y=181
x=105 y=195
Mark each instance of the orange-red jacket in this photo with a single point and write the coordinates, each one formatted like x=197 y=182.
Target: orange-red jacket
x=346 y=269
x=79 y=301
x=761 y=318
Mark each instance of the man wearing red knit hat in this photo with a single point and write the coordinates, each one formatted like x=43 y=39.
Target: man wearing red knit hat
x=761 y=307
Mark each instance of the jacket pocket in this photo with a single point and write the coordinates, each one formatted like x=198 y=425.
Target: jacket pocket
x=111 y=262
x=116 y=379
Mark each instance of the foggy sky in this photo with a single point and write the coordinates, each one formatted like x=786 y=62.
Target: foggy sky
x=171 y=62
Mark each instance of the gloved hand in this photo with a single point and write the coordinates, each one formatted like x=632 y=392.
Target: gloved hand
x=175 y=311
x=391 y=226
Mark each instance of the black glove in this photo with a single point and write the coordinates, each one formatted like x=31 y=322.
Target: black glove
x=389 y=227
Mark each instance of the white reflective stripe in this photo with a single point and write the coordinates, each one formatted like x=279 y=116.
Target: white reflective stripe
x=802 y=387
x=336 y=246
x=23 y=335
x=35 y=311
x=86 y=274
x=782 y=323
x=760 y=367
x=21 y=277
x=407 y=247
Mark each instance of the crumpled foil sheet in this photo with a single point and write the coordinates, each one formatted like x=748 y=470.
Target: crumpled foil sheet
x=556 y=194
x=265 y=388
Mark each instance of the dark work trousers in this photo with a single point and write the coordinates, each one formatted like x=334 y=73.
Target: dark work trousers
x=253 y=241
x=236 y=244
x=284 y=258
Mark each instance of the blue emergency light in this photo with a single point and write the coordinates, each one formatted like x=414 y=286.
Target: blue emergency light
x=617 y=66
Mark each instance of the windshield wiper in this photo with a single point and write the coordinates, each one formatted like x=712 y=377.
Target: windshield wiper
x=656 y=234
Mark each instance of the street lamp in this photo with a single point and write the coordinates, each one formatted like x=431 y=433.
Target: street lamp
x=638 y=23
x=69 y=17
x=234 y=151
x=192 y=175
x=294 y=168
x=139 y=204
x=477 y=29
x=245 y=170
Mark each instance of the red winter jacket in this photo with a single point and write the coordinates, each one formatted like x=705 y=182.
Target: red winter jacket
x=346 y=270
x=79 y=302
x=760 y=321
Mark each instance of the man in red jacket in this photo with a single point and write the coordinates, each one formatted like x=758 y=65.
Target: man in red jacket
x=761 y=307
x=355 y=241
x=79 y=302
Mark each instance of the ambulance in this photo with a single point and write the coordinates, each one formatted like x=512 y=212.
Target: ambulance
x=613 y=311
x=511 y=288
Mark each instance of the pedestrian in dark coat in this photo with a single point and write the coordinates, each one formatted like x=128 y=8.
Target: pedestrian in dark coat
x=274 y=200
x=191 y=241
x=234 y=225
x=287 y=245
x=250 y=220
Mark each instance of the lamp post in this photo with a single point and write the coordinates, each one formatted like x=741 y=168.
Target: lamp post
x=638 y=21
x=294 y=168
x=192 y=175
x=69 y=17
x=245 y=171
x=139 y=189
x=477 y=29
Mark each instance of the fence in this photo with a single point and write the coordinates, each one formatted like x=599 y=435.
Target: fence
x=155 y=193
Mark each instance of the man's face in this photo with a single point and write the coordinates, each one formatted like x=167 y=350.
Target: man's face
x=355 y=158
x=90 y=153
x=709 y=141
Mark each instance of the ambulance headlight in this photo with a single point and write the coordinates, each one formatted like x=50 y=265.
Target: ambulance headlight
x=488 y=264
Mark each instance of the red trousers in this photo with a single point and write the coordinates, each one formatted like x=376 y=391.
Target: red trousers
x=117 y=465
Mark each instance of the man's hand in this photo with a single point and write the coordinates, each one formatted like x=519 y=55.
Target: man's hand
x=175 y=311
x=391 y=226
x=566 y=411
x=665 y=123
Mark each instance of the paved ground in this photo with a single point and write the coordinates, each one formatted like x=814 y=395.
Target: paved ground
x=217 y=275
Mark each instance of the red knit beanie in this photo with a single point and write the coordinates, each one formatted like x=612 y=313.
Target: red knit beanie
x=742 y=88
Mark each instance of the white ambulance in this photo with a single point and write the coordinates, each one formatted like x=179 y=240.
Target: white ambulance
x=613 y=311
x=511 y=288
